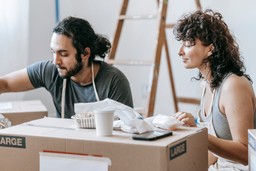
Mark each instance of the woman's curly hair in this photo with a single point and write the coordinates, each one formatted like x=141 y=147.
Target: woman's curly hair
x=209 y=28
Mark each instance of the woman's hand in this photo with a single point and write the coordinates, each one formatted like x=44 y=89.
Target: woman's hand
x=187 y=118
x=211 y=159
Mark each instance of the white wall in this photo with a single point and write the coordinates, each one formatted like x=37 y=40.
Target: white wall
x=41 y=22
x=25 y=30
x=29 y=41
x=13 y=39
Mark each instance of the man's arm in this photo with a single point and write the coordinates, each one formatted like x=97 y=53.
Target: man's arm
x=15 y=82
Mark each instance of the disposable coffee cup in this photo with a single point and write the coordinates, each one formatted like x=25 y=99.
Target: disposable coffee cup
x=104 y=122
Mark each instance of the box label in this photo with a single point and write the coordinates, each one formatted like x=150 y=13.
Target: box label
x=12 y=141
x=178 y=150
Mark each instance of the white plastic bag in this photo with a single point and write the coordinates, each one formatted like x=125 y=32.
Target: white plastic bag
x=130 y=120
x=4 y=122
x=167 y=122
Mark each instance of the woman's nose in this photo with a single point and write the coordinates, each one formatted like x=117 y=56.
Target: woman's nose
x=181 y=52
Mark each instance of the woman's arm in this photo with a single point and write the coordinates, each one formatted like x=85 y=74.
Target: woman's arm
x=237 y=102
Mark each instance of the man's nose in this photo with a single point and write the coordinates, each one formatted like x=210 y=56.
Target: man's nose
x=56 y=60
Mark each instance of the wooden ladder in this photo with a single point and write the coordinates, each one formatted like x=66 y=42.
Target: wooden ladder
x=155 y=63
x=193 y=101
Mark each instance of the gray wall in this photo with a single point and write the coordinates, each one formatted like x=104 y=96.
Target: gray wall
x=25 y=29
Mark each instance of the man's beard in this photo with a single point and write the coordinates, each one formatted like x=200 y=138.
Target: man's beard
x=78 y=66
x=74 y=71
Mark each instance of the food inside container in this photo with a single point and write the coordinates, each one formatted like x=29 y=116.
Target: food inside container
x=84 y=120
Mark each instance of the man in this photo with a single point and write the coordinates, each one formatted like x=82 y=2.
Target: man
x=76 y=74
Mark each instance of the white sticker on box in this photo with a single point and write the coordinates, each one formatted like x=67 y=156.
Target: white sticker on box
x=4 y=106
x=66 y=162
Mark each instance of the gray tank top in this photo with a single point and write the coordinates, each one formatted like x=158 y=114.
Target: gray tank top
x=220 y=122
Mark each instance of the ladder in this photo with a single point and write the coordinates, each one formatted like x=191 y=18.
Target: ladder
x=193 y=101
x=155 y=63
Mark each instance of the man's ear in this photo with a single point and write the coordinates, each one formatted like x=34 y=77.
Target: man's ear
x=87 y=53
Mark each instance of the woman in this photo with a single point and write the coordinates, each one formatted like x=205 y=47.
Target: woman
x=228 y=101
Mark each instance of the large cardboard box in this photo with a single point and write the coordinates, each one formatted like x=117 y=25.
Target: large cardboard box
x=23 y=111
x=252 y=149
x=21 y=146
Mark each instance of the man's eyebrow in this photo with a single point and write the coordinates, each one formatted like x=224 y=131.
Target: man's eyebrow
x=62 y=50
x=59 y=51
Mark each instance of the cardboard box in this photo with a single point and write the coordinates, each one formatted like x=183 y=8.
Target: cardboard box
x=252 y=149
x=23 y=111
x=21 y=145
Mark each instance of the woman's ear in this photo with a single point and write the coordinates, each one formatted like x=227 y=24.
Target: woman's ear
x=210 y=51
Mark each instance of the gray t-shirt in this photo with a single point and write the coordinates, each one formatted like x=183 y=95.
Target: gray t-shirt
x=110 y=83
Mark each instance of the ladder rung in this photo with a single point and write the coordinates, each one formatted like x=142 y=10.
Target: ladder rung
x=169 y=25
x=137 y=17
x=130 y=62
x=188 y=100
x=160 y=16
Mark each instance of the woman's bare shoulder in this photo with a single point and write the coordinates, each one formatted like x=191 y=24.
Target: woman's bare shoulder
x=237 y=83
